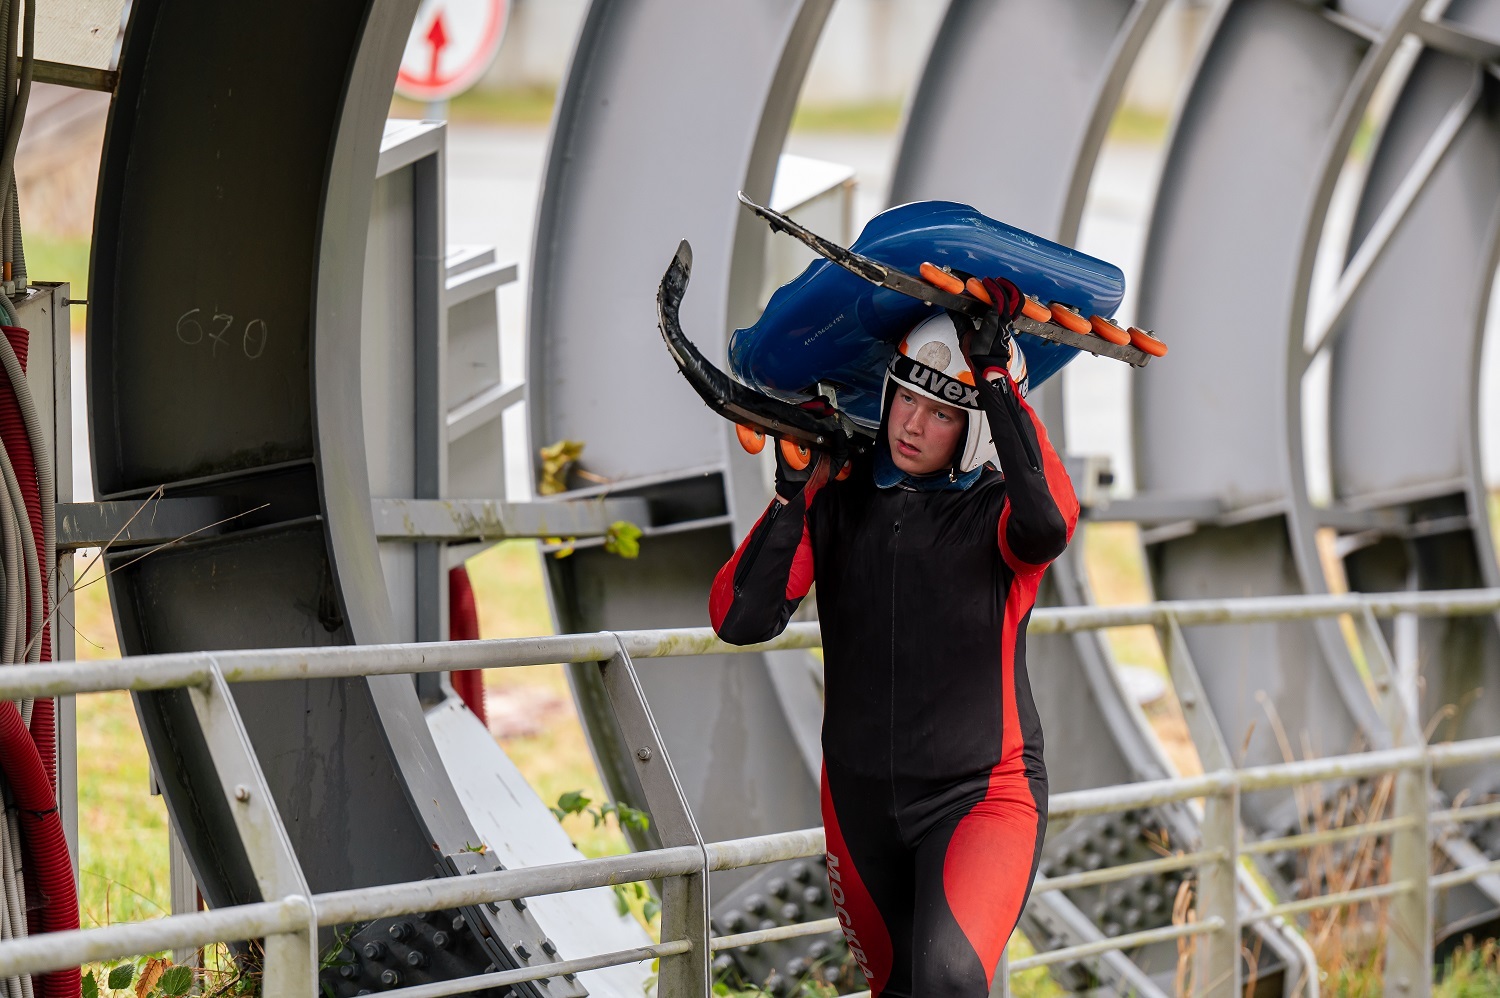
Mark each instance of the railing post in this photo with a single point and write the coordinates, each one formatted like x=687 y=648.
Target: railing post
x=291 y=959
x=1216 y=968
x=1213 y=752
x=1408 y=956
x=684 y=901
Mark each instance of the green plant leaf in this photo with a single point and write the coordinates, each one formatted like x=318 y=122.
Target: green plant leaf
x=651 y=909
x=90 y=985
x=572 y=802
x=624 y=539
x=556 y=460
x=121 y=976
x=564 y=547
x=622 y=899
x=633 y=818
x=176 y=981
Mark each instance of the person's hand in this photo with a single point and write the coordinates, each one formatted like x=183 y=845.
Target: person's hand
x=987 y=350
x=1005 y=296
x=790 y=481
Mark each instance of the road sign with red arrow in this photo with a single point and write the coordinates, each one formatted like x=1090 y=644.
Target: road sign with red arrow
x=452 y=43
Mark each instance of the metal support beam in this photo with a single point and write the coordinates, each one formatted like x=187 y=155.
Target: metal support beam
x=454 y=520
x=129 y=522
x=684 y=898
x=291 y=959
x=1395 y=212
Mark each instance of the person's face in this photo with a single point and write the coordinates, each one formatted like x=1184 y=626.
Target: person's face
x=922 y=433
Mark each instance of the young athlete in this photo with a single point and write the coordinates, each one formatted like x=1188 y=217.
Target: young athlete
x=927 y=558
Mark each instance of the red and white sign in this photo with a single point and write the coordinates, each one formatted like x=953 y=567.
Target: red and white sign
x=452 y=43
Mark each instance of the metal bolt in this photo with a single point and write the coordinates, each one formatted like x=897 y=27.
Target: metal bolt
x=441 y=939
x=777 y=887
x=1189 y=700
x=791 y=912
x=390 y=978
x=401 y=931
x=734 y=921
x=416 y=958
x=818 y=950
x=801 y=873
x=643 y=754
x=757 y=904
x=241 y=793
x=519 y=903
x=348 y=972
x=460 y=923
x=797 y=967
x=812 y=895
x=549 y=947
x=374 y=950
x=522 y=951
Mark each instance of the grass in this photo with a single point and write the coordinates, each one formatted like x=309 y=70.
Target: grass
x=64 y=259
x=1495 y=514
x=508 y=106
x=1139 y=126
x=533 y=106
x=122 y=828
x=509 y=592
x=869 y=117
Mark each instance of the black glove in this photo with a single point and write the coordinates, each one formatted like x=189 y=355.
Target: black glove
x=990 y=346
x=791 y=480
x=816 y=465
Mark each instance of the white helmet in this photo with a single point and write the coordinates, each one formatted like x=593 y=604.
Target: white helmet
x=930 y=362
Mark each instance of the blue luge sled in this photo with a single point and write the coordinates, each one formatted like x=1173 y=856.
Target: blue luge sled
x=833 y=326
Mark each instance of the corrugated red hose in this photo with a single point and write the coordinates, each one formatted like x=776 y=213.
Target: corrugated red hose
x=42 y=838
x=18 y=446
x=28 y=759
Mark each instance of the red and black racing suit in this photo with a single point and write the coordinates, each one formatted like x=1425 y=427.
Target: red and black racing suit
x=934 y=789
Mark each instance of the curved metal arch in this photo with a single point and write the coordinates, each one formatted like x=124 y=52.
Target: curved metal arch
x=1269 y=87
x=234 y=198
x=1426 y=477
x=1268 y=542
x=1372 y=319
x=1006 y=164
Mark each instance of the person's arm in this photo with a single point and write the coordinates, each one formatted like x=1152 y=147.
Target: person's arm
x=1040 y=510
x=760 y=587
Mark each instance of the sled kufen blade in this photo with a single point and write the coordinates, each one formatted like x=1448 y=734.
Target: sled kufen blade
x=897 y=280
x=723 y=394
x=871 y=270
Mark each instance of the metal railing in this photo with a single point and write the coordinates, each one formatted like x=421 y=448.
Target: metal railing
x=289 y=921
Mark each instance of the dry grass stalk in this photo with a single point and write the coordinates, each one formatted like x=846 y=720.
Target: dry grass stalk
x=1183 y=914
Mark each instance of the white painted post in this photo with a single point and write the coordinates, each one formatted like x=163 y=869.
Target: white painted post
x=1216 y=965
x=1408 y=957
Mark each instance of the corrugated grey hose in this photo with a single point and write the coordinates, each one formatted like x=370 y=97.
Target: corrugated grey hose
x=16 y=101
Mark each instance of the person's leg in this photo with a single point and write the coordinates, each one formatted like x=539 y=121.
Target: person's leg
x=870 y=882
x=973 y=874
